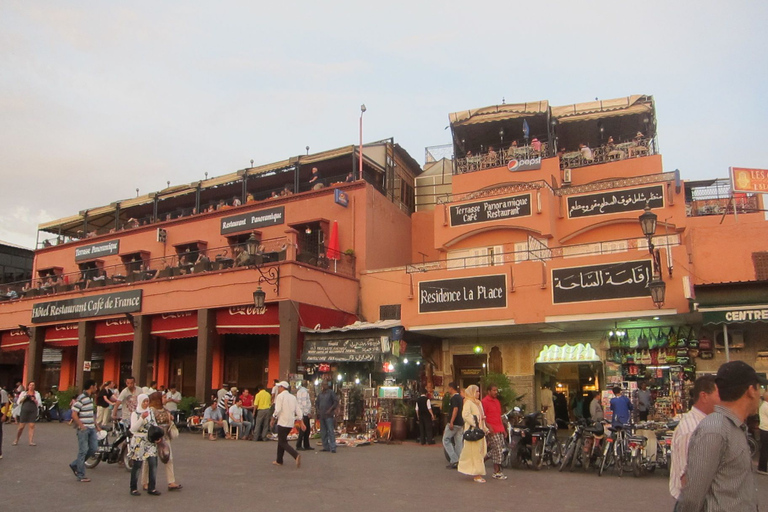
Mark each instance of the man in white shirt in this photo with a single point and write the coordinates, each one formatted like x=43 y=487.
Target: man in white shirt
x=171 y=400
x=705 y=398
x=762 y=465
x=236 y=419
x=127 y=400
x=287 y=411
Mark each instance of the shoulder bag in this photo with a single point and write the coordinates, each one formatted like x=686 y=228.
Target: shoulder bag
x=474 y=433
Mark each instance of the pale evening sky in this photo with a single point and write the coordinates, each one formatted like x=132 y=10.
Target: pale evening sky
x=100 y=98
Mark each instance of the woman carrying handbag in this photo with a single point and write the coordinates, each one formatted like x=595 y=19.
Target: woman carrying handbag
x=472 y=459
x=142 y=446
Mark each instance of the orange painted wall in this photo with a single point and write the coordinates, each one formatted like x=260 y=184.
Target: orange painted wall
x=217 y=373
x=112 y=362
x=68 y=363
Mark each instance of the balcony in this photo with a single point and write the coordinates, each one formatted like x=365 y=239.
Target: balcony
x=490 y=158
x=609 y=152
x=715 y=197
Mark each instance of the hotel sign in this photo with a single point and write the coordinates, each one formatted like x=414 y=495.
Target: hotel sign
x=253 y=220
x=621 y=201
x=609 y=281
x=480 y=292
x=94 y=251
x=87 y=307
x=749 y=180
x=495 y=209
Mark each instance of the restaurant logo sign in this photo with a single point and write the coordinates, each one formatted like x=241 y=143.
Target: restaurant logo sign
x=480 y=292
x=98 y=250
x=253 y=220
x=609 y=281
x=86 y=307
x=749 y=180
x=621 y=201
x=524 y=164
x=495 y=209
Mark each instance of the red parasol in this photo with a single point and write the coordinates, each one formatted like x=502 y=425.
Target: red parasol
x=333 y=252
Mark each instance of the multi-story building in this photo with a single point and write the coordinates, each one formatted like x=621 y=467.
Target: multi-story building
x=211 y=282
x=15 y=266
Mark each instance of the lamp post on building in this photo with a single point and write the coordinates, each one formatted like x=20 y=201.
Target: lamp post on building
x=657 y=286
x=360 y=170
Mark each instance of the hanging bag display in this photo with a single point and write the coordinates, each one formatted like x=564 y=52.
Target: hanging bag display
x=642 y=340
x=661 y=339
x=672 y=337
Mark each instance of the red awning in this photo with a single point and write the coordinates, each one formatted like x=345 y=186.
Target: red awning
x=14 y=340
x=115 y=330
x=62 y=335
x=312 y=316
x=173 y=326
x=246 y=320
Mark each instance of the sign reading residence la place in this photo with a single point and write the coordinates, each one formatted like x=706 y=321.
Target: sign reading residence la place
x=480 y=292
x=98 y=250
x=494 y=209
x=609 y=281
x=617 y=201
x=87 y=307
x=253 y=220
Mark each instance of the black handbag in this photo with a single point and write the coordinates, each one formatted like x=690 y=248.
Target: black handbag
x=474 y=433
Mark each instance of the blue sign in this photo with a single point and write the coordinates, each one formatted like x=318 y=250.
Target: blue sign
x=341 y=197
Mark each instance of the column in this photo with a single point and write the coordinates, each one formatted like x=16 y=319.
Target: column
x=206 y=337
x=34 y=361
x=289 y=332
x=142 y=326
x=85 y=332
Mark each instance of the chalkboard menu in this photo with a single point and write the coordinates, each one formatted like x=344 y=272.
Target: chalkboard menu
x=601 y=282
x=616 y=201
x=342 y=350
x=479 y=292
x=493 y=209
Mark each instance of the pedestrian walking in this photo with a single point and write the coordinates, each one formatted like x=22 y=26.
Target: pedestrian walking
x=262 y=402
x=425 y=416
x=548 y=404
x=141 y=448
x=127 y=399
x=472 y=459
x=103 y=403
x=762 y=466
x=453 y=439
x=287 y=412
x=305 y=404
x=719 y=474
x=621 y=407
x=326 y=404
x=28 y=402
x=87 y=429
x=496 y=444
x=164 y=419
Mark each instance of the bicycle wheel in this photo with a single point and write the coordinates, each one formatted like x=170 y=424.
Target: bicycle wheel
x=537 y=456
x=637 y=464
x=619 y=456
x=576 y=454
x=557 y=453
x=569 y=453
x=607 y=457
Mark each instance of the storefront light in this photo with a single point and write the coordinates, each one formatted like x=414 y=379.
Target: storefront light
x=339 y=377
x=405 y=360
x=478 y=349
x=317 y=382
x=418 y=363
x=391 y=367
x=357 y=380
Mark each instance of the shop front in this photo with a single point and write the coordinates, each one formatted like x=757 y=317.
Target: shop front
x=13 y=351
x=175 y=338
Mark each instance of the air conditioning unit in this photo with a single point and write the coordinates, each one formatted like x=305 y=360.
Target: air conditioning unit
x=566 y=176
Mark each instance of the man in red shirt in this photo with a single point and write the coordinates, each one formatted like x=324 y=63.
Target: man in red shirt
x=247 y=406
x=495 y=439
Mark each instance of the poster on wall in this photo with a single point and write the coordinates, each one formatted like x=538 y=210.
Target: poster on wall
x=615 y=201
x=622 y=280
x=493 y=209
x=478 y=292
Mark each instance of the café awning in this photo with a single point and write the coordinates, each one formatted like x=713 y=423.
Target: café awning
x=248 y=320
x=14 y=340
x=635 y=104
x=115 y=330
x=62 y=335
x=173 y=326
x=498 y=113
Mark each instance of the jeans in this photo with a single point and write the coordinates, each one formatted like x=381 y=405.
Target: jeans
x=282 y=444
x=453 y=449
x=261 y=428
x=248 y=415
x=136 y=469
x=303 y=440
x=243 y=426
x=327 y=434
x=87 y=445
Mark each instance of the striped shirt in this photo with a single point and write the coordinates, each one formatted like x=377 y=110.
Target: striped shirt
x=680 y=439
x=719 y=477
x=84 y=409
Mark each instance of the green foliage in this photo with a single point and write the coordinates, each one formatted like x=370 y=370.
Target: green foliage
x=400 y=408
x=188 y=404
x=65 y=398
x=507 y=395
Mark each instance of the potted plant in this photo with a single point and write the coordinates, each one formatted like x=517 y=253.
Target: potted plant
x=507 y=396
x=400 y=420
x=64 y=401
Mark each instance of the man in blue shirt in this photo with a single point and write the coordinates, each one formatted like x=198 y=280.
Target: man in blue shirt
x=621 y=407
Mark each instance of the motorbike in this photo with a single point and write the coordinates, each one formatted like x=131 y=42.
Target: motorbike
x=584 y=446
x=551 y=451
x=523 y=445
x=642 y=462
x=113 y=447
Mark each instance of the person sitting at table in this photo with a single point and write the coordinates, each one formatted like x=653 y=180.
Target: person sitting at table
x=24 y=289
x=586 y=153
x=10 y=293
x=236 y=201
x=638 y=140
x=492 y=156
x=349 y=179
x=286 y=191
x=274 y=194
x=536 y=145
x=315 y=180
x=249 y=198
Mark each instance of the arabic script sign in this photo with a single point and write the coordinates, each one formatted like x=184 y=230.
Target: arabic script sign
x=620 y=201
x=495 y=209
x=333 y=350
x=609 y=281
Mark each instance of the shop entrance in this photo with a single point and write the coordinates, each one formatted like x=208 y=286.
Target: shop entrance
x=469 y=369
x=572 y=385
x=183 y=356
x=11 y=367
x=246 y=360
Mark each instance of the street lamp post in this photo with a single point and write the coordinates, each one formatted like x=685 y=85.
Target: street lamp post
x=657 y=286
x=360 y=170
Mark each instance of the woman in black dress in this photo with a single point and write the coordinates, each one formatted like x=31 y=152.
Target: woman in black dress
x=29 y=401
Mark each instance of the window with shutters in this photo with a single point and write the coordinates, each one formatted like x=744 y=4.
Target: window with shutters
x=760 y=260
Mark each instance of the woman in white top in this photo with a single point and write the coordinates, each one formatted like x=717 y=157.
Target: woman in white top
x=472 y=459
x=28 y=402
x=762 y=465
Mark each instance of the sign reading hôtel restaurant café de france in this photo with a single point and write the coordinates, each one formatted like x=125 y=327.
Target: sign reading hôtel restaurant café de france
x=479 y=292
x=87 y=307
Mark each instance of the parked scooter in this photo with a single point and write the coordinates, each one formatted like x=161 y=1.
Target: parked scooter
x=523 y=445
x=113 y=447
x=640 y=460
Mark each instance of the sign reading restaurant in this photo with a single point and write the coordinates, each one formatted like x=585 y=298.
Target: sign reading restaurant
x=494 y=209
x=87 y=307
x=609 y=281
x=253 y=220
x=480 y=292
x=620 y=201
x=92 y=251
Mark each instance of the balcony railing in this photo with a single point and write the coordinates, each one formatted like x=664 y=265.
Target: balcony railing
x=717 y=198
x=491 y=159
x=270 y=251
x=607 y=153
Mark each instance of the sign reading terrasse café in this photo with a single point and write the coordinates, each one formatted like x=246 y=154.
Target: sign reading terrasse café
x=92 y=251
x=630 y=200
x=495 y=209
x=87 y=307
x=480 y=292
x=253 y=220
x=601 y=282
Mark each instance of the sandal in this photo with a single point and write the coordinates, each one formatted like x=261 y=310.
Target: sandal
x=480 y=480
x=175 y=487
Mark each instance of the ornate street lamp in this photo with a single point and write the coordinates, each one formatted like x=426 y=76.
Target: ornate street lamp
x=258 y=299
x=658 y=289
x=657 y=286
x=252 y=245
x=648 y=222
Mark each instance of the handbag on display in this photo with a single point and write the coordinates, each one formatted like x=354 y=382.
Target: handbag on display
x=662 y=339
x=682 y=338
x=693 y=342
x=672 y=337
x=642 y=340
x=474 y=433
x=613 y=341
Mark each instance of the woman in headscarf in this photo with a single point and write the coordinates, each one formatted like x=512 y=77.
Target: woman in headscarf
x=140 y=448
x=472 y=459
x=164 y=419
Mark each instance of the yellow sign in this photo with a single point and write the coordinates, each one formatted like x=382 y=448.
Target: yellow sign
x=567 y=353
x=749 y=180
